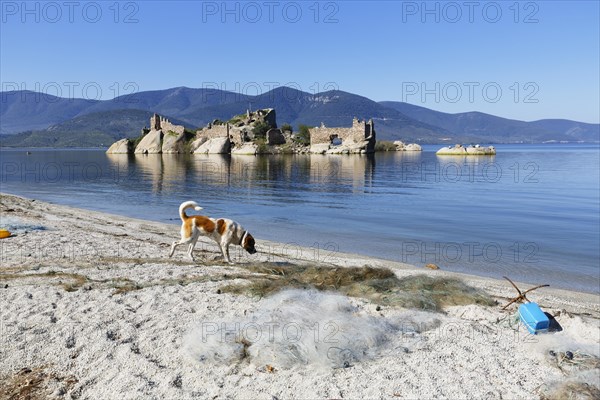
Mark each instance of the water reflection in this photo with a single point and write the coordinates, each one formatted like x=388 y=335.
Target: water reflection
x=482 y=169
x=168 y=172
x=354 y=171
x=539 y=198
x=465 y=159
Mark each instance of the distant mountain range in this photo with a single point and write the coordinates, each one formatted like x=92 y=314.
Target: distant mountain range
x=34 y=119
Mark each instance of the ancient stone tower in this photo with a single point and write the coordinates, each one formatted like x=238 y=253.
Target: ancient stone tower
x=155 y=122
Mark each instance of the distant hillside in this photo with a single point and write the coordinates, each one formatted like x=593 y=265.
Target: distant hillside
x=25 y=110
x=334 y=108
x=198 y=107
x=92 y=130
x=176 y=102
x=500 y=130
x=56 y=121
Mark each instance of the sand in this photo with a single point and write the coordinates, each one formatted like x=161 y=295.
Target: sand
x=92 y=308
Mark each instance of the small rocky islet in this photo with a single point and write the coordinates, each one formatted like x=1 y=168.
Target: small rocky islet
x=254 y=132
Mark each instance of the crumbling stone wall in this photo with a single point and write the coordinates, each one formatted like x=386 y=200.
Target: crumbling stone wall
x=241 y=131
x=161 y=123
x=213 y=131
x=235 y=135
x=267 y=115
x=360 y=134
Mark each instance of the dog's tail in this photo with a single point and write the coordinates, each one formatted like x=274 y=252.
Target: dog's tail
x=184 y=206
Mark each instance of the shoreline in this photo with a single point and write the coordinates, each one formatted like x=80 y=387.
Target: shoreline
x=291 y=247
x=441 y=143
x=283 y=251
x=497 y=286
x=92 y=301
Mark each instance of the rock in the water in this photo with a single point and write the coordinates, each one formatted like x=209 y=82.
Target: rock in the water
x=349 y=147
x=246 y=149
x=123 y=146
x=460 y=150
x=413 y=147
x=401 y=146
x=220 y=145
x=150 y=144
x=173 y=143
x=320 y=148
x=197 y=143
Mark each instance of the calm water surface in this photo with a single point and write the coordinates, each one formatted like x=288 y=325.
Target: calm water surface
x=531 y=212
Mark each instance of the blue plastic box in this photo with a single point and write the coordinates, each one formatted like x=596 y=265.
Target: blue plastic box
x=534 y=318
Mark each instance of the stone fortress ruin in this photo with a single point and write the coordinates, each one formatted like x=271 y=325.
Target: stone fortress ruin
x=237 y=136
x=158 y=123
x=163 y=137
x=359 y=138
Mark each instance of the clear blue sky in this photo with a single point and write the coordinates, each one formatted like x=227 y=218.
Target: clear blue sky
x=450 y=56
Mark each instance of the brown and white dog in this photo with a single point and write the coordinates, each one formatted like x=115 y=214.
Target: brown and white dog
x=223 y=231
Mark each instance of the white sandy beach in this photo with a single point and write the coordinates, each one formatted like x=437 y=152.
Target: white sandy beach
x=92 y=308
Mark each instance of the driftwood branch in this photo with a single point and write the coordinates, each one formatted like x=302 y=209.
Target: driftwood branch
x=512 y=283
x=521 y=297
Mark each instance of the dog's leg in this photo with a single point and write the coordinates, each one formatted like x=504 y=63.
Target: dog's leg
x=192 y=245
x=191 y=248
x=179 y=243
x=225 y=251
x=190 y=252
x=173 y=247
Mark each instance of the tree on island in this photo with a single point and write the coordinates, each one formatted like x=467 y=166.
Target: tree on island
x=303 y=136
x=260 y=129
x=286 y=128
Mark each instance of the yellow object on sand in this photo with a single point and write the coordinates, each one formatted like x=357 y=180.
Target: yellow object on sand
x=4 y=233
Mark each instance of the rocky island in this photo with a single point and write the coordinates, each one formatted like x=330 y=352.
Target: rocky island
x=460 y=150
x=254 y=132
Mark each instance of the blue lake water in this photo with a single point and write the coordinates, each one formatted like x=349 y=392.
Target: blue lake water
x=532 y=212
